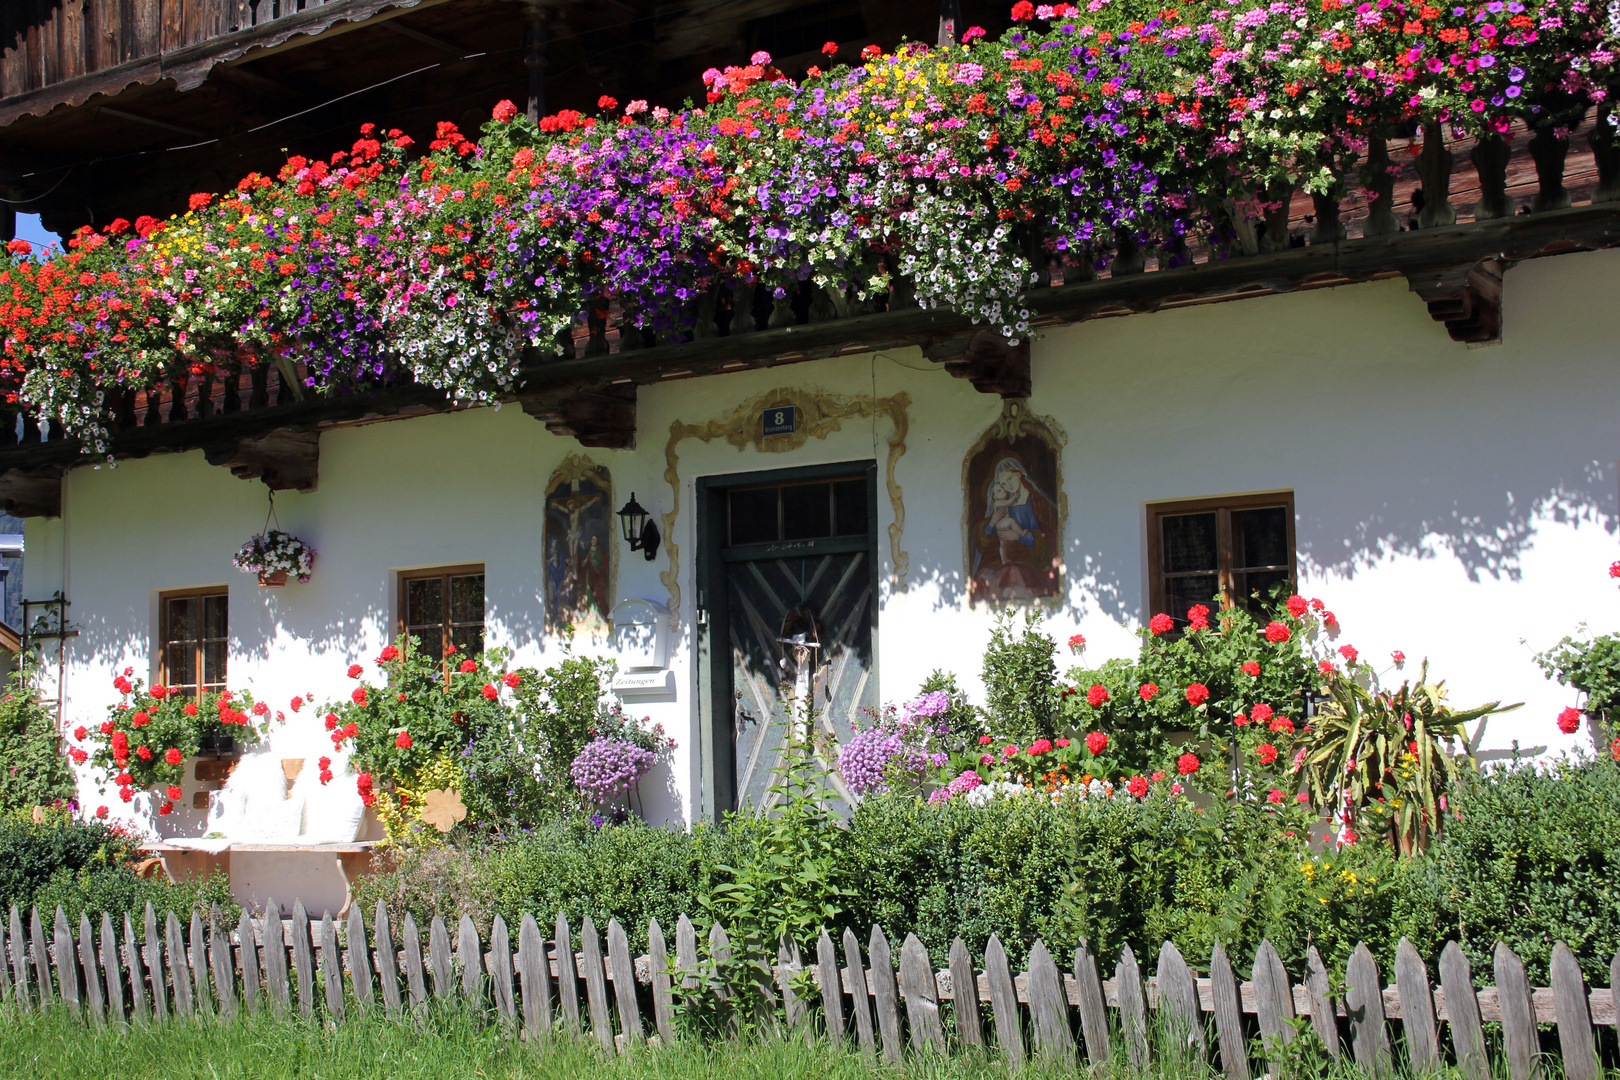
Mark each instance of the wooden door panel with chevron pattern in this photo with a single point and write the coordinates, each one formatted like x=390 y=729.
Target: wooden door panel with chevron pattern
x=788 y=559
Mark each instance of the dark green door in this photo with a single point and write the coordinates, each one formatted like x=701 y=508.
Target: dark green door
x=788 y=600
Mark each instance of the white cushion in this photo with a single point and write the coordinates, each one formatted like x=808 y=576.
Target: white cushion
x=333 y=812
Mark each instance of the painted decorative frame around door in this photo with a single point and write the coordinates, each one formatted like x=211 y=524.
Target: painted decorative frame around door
x=760 y=579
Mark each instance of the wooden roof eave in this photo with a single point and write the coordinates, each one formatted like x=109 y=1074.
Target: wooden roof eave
x=189 y=65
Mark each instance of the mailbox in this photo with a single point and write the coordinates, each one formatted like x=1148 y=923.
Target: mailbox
x=641 y=647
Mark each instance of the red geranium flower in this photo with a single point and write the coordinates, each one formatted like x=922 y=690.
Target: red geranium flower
x=359 y=696
x=490 y=692
x=79 y=756
x=1077 y=642
x=1329 y=619
x=1349 y=653
x=1274 y=796
x=296 y=703
x=190 y=709
x=1276 y=632
x=1096 y=742
x=173 y=756
x=1197 y=694
x=1198 y=617
x=1062 y=743
x=1096 y=695
x=1569 y=720
x=403 y=741
x=1398 y=656
x=830 y=48
x=1251 y=669
x=173 y=792
x=468 y=665
x=1160 y=623
x=144 y=753
x=388 y=653
x=1261 y=712
x=1297 y=606
x=260 y=708
x=355 y=671
x=102 y=811
x=1039 y=746
x=1147 y=690
x=1137 y=787
x=80 y=732
x=166 y=809
x=1023 y=11
x=1266 y=753
x=126 y=793
x=984 y=740
x=504 y=111
x=140 y=719
x=1187 y=764
x=512 y=679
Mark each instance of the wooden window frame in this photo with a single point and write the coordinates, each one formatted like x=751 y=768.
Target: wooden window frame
x=444 y=573
x=167 y=595
x=1223 y=507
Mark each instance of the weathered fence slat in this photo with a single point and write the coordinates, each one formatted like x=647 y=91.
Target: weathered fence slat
x=1614 y=982
x=1178 y=994
x=331 y=969
x=1324 y=1013
x=1049 y=1008
x=686 y=953
x=1417 y=1008
x=788 y=965
x=439 y=959
x=921 y=992
x=861 y=997
x=499 y=965
x=1003 y=1003
x=1223 y=989
x=154 y=966
x=965 y=995
x=360 y=961
x=42 y=969
x=1462 y=1012
x=623 y=970
x=1274 y=1004
x=832 y=988
x=1518 y=1014
x=387 y=960
x=275 y=960
x=67 y=971
x=567 y=975
x=662 y=985
x=470 y=956
x=199 y=965
x=92 y=971
x=1093 y=1005
x=19 y=960
x=590 y=946
x=138 y=1007
x=1575 y=1041
x=415 y=977
x=111 y=970
x=534 y=979
x=1364 y=1001
x=885 y=992
x=219 y=954
x=249 y=950
x=1132 y=1008
x=179 y=973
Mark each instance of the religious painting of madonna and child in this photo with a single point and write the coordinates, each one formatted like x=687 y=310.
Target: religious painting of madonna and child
x=578 y=541
x=1014 y=513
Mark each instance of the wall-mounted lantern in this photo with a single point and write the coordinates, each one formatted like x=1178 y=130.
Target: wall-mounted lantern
x=639 y=531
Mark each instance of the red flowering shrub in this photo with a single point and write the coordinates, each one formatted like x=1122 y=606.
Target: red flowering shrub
x=145 y=721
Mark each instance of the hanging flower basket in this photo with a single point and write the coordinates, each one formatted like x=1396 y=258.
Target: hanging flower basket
x=273 y=555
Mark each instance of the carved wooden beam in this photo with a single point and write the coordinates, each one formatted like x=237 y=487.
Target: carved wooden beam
x=284 y=459
x=33 y=492
x=987 y=361
x=1466 y=297
x=604 y=417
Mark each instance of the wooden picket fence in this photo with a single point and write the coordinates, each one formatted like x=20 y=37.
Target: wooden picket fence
x=117 y=980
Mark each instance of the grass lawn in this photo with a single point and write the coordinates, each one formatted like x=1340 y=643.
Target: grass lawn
x=56 y=1046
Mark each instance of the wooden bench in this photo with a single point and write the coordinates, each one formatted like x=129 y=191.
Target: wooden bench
x=201 y=859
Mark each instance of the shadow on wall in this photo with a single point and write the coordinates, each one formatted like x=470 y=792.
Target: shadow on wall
x=1397 y=442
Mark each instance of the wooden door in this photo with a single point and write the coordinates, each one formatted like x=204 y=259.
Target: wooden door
x=782 y=568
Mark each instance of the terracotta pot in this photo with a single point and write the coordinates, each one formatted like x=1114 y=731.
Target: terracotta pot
x=272 y=579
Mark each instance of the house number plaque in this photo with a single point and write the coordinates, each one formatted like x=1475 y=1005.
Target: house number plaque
x=780 y=420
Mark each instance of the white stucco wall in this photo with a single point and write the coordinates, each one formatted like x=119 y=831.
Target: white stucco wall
x=1452 y=503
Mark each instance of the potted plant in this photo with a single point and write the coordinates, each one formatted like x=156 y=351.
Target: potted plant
x=273 y=555
x=149 y=733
